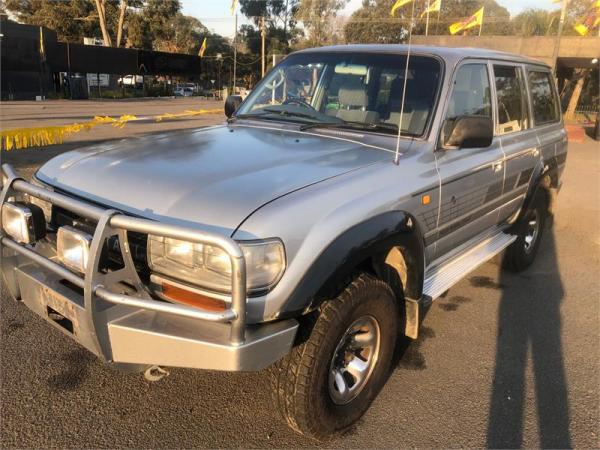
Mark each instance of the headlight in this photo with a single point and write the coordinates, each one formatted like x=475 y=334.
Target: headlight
x=73 y=248
x=210 y=267
x=23 y=222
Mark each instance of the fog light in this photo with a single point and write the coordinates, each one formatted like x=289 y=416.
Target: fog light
x=73 y=248
x=23 y=222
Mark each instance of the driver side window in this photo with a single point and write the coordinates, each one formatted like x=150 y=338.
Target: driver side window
x=470 y=95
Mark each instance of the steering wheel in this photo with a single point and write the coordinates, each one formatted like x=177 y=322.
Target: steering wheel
x=298 y=101
x=276 y=81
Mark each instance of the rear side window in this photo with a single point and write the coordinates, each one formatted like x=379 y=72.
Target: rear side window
x=512 y=100
x=543 y=97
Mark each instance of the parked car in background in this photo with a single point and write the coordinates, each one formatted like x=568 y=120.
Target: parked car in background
x=135 y=81
x=303 y=235
x=183 y=91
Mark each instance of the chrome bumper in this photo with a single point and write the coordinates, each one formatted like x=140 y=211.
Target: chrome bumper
x=113 y=315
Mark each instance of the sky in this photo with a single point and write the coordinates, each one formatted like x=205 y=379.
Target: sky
x=215 y=14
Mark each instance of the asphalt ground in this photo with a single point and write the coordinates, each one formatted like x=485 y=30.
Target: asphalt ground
x=503 y=360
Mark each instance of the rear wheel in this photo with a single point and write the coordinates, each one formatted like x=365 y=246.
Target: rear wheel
x=328 y=382
x=521 y=253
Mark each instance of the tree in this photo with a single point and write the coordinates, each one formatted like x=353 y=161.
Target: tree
x=101 y=9
x=281 y=30
x=318 y=18
x=185 y=35
x=277 y=13
x=72 y=20
x=372 y=23
x=536 y=22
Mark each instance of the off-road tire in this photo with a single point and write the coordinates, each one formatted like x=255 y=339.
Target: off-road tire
x=517 y=258
x=300 y=380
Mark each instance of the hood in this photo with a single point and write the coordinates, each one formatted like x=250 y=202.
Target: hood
x=214 y=177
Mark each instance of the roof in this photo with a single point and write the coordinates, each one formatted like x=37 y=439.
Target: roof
x=454 y=53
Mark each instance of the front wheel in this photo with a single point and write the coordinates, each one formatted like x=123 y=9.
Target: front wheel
x=328 y=382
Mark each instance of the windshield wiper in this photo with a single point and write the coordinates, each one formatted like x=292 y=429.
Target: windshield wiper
x=353 y=125
x=261 y=116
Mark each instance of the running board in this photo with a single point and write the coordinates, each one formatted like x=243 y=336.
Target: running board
x=440 y=278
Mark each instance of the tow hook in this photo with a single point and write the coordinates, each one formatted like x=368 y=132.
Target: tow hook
x=155 y=373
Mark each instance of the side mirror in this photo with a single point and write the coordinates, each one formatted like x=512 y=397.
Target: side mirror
x=468 y=132
x=232 y=104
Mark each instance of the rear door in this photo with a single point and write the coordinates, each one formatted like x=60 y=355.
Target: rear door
x=471 y=178
x=518 y=139
x=547 y=123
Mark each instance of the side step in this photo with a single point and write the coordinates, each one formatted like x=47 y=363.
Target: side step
x=442 y=277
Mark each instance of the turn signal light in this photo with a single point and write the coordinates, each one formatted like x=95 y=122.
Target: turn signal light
x=180 y=295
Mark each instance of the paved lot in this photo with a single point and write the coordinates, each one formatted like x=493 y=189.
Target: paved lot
x=25 y=114
x=503 y=360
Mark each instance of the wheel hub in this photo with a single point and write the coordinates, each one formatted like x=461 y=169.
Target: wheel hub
x=354 y=359
x=532 y=231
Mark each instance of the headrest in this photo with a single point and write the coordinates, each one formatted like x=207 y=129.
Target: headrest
x=353 y=94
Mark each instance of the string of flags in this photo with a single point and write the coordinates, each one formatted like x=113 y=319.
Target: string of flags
x=469 y=22
x=589 y=21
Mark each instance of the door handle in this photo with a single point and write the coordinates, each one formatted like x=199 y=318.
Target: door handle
x=497 y=166
x=535 y=152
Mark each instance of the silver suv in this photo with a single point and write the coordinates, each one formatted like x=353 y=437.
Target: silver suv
x=351 y=188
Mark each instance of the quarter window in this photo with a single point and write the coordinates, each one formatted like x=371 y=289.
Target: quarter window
x=543 y=97
x=512 y=103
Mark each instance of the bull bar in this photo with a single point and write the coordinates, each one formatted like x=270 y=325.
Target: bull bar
x=108 y=287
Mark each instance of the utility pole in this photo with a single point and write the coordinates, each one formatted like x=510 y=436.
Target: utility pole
x=263 y=35
x=235 y=53
x=427 y=20
x=561 y=22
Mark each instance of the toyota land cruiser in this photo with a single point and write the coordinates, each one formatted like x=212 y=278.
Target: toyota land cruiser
x=349 y=190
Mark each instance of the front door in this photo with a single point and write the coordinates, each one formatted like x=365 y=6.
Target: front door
x=471 y=178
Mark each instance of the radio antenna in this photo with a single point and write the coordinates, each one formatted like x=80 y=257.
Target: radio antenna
x=397 y=155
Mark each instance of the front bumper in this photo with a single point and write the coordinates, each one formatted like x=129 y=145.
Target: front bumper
x=113 y=315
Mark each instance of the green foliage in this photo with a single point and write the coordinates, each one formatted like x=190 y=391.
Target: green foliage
x=536 y=22
x=72 y=20
x=280 y=25
x=319 y=20
x=372 y=23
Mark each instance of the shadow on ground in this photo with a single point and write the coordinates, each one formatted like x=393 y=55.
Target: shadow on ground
x=529 y=326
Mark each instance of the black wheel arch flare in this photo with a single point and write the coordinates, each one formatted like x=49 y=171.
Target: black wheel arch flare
x=365 y=244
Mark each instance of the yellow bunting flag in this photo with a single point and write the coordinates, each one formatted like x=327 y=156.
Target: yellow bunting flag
x=435 y=6
x=591 y=19
x=42 y=47
x=202 y=49
x=19 y=138
x=470 y=22
x=399 y=4
x=233 y=6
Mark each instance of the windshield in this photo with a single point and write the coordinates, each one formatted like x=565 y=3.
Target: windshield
x=347 y=89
